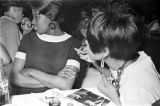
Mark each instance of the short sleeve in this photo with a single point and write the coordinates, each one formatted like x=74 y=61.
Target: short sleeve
x=23 y=45
x=74 y=58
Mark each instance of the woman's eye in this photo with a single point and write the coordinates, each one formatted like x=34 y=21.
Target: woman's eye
x=36 y=16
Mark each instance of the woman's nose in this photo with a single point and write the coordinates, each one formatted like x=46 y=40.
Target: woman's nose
x=33 y=21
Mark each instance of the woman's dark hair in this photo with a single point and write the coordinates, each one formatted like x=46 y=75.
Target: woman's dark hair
x=120 y=32
x=36 y=4
x=98 y=5
x=52 y=10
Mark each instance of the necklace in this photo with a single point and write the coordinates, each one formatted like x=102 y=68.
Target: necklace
x=115 y=81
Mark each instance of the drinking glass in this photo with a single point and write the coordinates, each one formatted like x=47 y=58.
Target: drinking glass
x=4 y=91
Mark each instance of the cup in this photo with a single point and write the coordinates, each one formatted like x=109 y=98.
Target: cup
x=4 y=93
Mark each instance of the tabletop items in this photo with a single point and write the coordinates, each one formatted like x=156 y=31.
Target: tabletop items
x=78 y=97
x=4 y=92
x=56 y=97
x=88 y=98
x=53 y=101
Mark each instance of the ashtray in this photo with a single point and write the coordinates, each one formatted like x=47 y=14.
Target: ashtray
x=53 y=101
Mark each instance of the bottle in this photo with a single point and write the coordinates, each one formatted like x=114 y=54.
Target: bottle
x=4 y=91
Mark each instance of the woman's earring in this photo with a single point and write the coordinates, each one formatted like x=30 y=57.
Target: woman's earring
x=102 y=63
x=52 y=25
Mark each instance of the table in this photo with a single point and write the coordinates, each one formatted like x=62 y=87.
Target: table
x=38 y=99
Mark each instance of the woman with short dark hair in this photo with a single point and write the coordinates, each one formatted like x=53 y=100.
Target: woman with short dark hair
x=114 y=38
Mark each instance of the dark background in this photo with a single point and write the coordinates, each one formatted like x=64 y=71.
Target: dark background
x=144 y=6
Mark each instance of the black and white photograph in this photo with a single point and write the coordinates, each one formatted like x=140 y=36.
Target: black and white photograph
x=88 y=98
x=111 y=46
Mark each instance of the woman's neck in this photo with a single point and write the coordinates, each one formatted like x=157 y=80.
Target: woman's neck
x=115 y=64
x=56 y=32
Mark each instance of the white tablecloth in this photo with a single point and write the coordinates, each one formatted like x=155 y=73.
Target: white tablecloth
x=38 y=99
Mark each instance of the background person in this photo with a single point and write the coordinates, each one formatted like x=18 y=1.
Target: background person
x=9 y=31
x=4 y=55
x=26 y=25
x=46 y=58
x=97 y=7
x=10 y=36
x=4 y=60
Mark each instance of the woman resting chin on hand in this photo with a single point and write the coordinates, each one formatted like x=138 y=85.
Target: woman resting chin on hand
x=114 y=39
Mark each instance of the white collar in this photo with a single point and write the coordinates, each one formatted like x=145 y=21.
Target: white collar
x=8 y=18
x=50 y=38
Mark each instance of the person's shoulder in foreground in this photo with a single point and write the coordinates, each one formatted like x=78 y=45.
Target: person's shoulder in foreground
x=140 y=83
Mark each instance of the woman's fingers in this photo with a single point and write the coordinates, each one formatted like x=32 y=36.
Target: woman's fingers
x=107 y=82
x=82 y=52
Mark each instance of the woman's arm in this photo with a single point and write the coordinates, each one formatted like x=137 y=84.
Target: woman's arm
x=64 y=79
x=19 y=78
x=4 y=55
